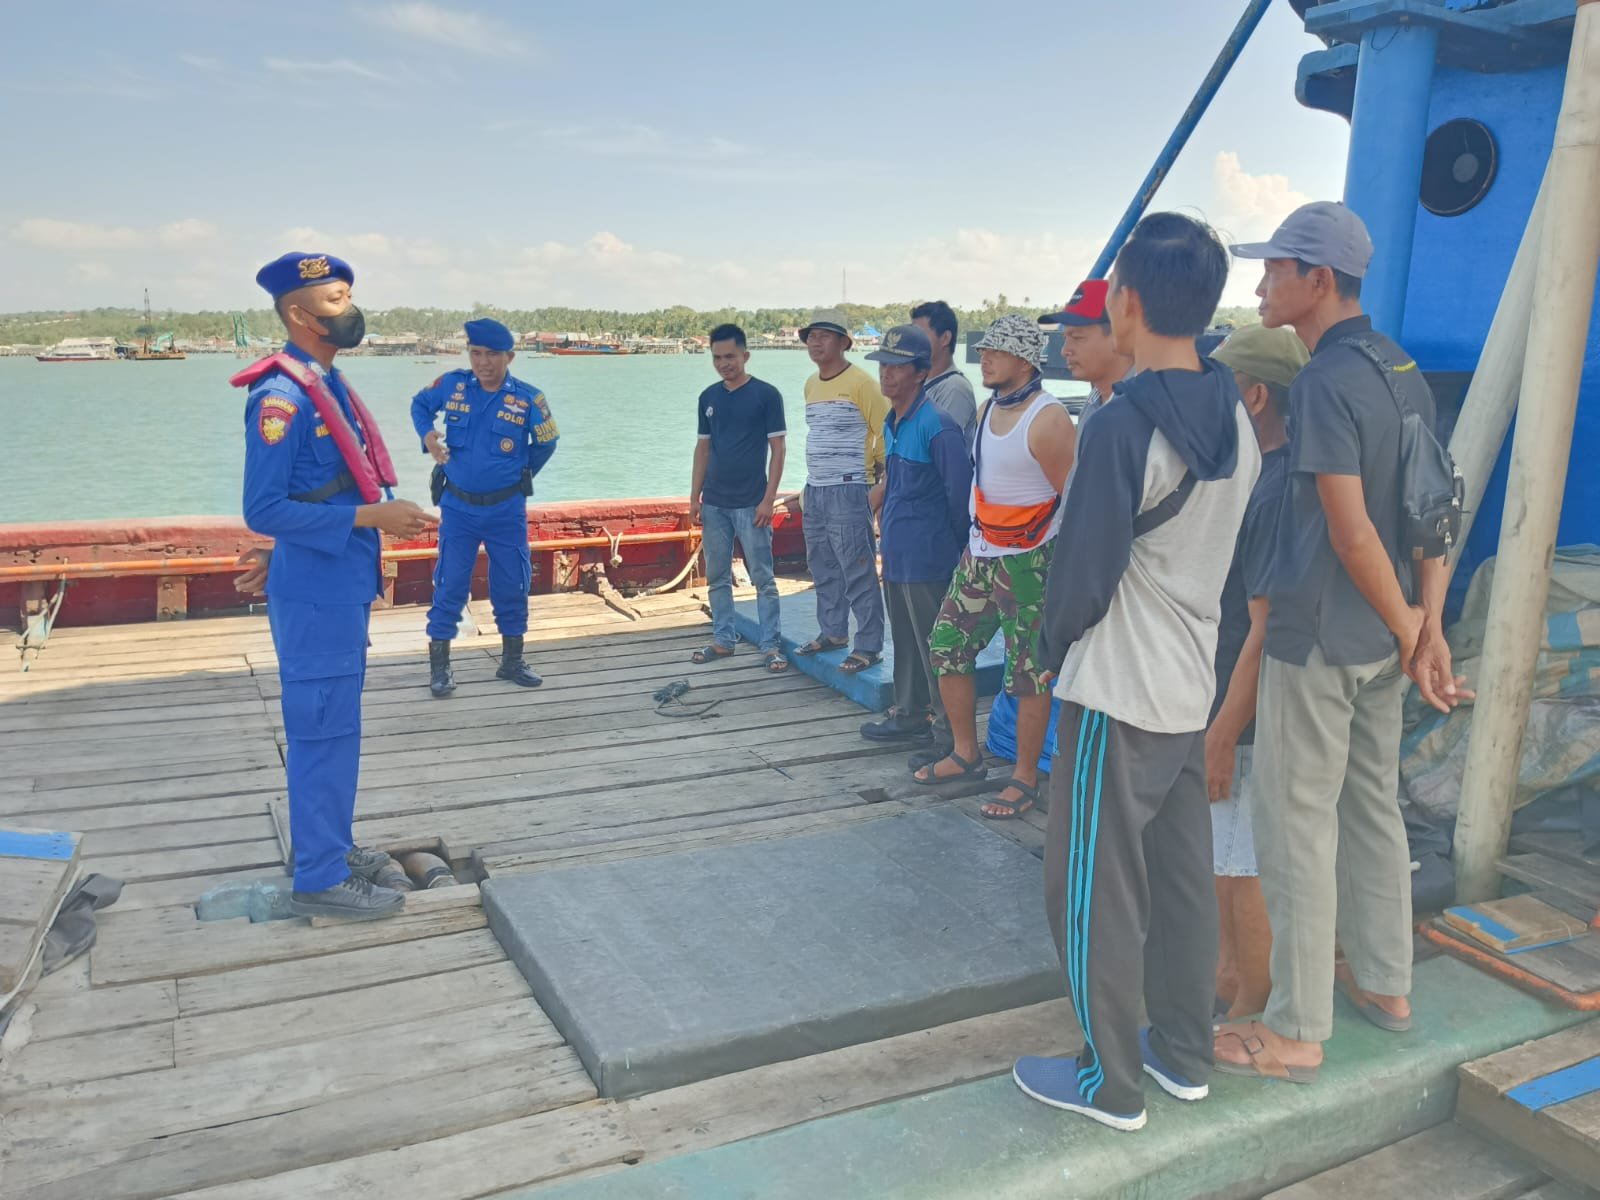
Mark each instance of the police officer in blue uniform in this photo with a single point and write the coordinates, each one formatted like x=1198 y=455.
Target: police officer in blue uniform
x=498 y=433
x=314 y=471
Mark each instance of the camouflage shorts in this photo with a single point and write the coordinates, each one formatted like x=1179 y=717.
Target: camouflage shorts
x=990 y=594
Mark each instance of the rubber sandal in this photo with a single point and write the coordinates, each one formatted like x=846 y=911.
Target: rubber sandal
x=776 y=663
x=857 y=661
x=1371 y=1010
x=1013 y=808
x=969 y=770
x=818 y=645
x=710 y=654
x=1263 y=1064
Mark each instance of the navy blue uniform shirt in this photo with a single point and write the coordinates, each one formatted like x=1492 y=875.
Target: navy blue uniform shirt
x=493 y=436
x=318 y=555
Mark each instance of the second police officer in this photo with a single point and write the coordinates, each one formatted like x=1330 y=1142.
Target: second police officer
x=498 y=433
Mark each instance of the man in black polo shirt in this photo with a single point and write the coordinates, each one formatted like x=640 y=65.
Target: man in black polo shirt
x=1351 y=615
x=733 y=491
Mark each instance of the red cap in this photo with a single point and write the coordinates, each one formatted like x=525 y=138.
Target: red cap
x=1087 y=306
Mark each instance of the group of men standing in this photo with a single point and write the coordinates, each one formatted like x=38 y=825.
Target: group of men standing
x=1219 y=537
x=1212 y=565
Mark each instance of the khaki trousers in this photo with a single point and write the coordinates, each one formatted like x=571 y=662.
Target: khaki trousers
x=1330 y=841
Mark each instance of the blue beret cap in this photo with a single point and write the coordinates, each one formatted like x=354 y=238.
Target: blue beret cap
x=491 y=335
x=299 y=269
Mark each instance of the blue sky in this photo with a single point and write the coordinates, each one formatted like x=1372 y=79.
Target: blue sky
x=706 y=154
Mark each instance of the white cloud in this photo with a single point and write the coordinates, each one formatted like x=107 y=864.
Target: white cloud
x=94 y=272
x=334 y=66
x=450 y=27
x=1251 y=206
x=1248 y=208
x=50 y=234
x=201 y=63
x=973 y=264
x=189 y=233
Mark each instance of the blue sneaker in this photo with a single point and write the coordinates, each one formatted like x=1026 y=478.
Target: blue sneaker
x=1171 y=1082
x=1054 y=1081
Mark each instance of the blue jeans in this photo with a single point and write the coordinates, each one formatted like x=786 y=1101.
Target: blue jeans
x=721 y=526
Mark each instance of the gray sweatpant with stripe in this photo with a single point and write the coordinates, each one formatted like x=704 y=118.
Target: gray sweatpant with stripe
x=1129 y=894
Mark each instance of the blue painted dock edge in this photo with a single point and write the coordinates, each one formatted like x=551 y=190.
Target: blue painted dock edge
x=873 y=688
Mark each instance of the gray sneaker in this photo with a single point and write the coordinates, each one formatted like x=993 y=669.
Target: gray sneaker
x=368 y=864
x=353 y=899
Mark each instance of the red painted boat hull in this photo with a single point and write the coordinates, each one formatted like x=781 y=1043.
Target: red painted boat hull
x=115 y=599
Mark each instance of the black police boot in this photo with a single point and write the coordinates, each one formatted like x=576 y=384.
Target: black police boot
x=440 y=681
x=511 y=665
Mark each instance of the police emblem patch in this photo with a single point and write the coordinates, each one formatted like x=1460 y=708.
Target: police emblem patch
x=507 y=445
x=272 y=427
x=314 y=268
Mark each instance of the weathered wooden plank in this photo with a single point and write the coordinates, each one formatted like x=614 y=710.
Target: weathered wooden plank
x=138 y=815
x=184 y=890
x=342 y=971
x=239 y=1031
x=259 y=750
x=1503 y=1071
x=131 y=1108
x=173 y=864
x=729 y=1108
x=1557 y=1148
x=105 y=1054
x=459 y=1167
x=440 y=1100
x=1443 y=1163
x=24 y=719
x=103 y=1009
x=35 y=873
x=166 y=836
x=164 y=943
x=1541 y=871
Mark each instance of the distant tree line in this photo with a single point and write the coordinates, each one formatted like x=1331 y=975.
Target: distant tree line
x=676 y=322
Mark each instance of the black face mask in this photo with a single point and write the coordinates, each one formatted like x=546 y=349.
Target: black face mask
x=346 y=330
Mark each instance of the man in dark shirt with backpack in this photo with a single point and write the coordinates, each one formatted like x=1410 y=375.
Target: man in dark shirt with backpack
x=1352 y=614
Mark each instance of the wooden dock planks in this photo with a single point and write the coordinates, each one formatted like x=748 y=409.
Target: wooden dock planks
x=1542 y=1099
x=37 y=868
x=229 y=1059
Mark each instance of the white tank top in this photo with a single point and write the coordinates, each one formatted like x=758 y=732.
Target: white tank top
x=1011 y=475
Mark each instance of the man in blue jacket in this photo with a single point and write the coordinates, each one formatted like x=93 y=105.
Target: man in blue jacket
x=498 y=433
x=922 y=519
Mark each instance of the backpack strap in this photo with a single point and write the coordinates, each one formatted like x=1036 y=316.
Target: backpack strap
x=1170 y=506
x=1385 y=368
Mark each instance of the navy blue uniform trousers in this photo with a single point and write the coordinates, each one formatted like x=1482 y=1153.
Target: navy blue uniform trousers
x=503 y=529
x=322 y=664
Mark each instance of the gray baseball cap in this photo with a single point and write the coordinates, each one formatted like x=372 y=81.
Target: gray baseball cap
x=1323 y=233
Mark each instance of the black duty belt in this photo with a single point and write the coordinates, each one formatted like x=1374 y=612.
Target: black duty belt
x=342 y=482
x=484 y=499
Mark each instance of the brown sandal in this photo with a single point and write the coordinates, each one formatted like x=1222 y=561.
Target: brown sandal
x=1263 y=1064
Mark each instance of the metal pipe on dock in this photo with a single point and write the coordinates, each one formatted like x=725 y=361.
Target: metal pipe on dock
x=1569 y=258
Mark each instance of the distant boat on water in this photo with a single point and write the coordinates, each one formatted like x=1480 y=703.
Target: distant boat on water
x=591 y=348
x=73 y=350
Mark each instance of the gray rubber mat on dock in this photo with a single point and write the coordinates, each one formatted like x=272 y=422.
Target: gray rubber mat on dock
x=665 y=970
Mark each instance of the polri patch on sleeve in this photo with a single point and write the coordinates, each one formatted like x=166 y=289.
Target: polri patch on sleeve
x=276 y=416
